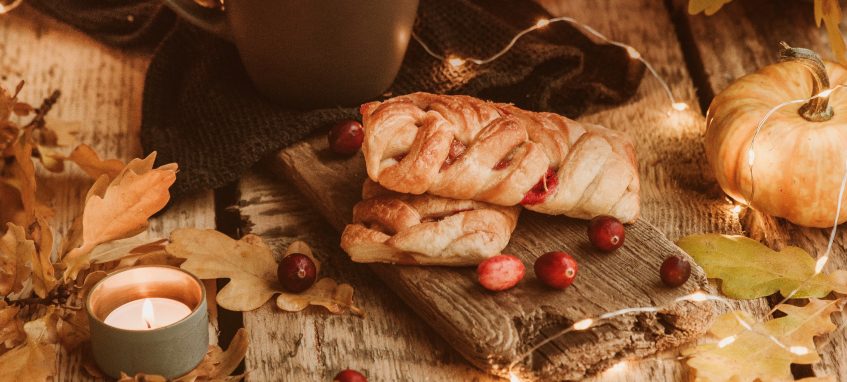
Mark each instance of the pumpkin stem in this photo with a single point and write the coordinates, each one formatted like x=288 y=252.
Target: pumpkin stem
x=817 y=109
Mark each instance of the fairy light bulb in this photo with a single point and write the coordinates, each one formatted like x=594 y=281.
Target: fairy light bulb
x=583 y=324
x=726 y=341
x=542 y=23
x=751 y=157
x=736 y=209
x=679 y=106
x=456 y=61
x=799 y=350
x=617 y=368
x=820 y=264
x=513 y=377
x=634 y=54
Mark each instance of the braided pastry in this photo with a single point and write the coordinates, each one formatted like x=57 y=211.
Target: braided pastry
x=465 y=148
x=423 y=229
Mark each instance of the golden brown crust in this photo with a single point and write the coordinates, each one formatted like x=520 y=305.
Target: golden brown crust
x=422 y=229
x=505 y=152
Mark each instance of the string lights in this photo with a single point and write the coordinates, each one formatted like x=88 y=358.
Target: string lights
x=456 y=61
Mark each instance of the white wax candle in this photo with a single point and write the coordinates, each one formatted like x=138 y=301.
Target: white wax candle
x=147 y=313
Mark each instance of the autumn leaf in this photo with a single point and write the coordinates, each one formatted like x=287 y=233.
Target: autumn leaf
x=22 y=177
x=35 y=360
x=15 y=251
x=72 y=327
x=710 y=6
x=248 y=263
x=753 y=356
x=829 y=11
x=335 y=297
x=11 y=327
x=87 y=159
x=43 y=274
x=120 y=210
x=749 y=269
x=119 y=249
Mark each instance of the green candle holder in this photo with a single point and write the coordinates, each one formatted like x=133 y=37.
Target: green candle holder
x=170 y=351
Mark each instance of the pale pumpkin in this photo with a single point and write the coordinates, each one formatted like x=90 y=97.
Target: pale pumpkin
x=799 y=154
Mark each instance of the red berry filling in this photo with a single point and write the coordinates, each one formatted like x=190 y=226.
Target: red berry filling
x=503 y=164
x=457 y=148
x=542 y=189
x=400 y=157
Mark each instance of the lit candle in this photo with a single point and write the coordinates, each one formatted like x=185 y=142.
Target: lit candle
x=149 y=319
x=148 y=313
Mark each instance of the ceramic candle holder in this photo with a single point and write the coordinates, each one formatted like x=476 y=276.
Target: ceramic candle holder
x=171 y=350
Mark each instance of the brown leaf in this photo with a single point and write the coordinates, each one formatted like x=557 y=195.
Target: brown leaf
x=35 y=360
x=15 y=251
x=829 y=11
x=248 y=263
x=219 y=364
x=326 y=292
x=87 y=159
x=22 y=171
x=119 y=249
x=43 y=274
x=51 y=160
x=11 y=327
x=11 y=208
x=122 y=209
x=72 y=328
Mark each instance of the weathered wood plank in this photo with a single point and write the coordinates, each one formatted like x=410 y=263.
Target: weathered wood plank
x=739 y=39
x=389 y=344
x=101 y=89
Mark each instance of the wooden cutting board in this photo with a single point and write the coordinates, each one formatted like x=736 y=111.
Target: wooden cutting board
x=492 y=329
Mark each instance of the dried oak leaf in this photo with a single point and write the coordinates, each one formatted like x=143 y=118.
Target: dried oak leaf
x=21 y=176
x=15 y=252
x=753 y=356
x=72 y=327
x=710 y=6
x=11 y=327
x=129 y=247
x=335 y=297
x=248 y=263
x=35 y=360
x=749 y=269
x=829 y=11
x=121 y=209
x=43 y=273
x=87 y=159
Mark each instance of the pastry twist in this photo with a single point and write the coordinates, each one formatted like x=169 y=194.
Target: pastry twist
x=423 y=229
x=464 y=148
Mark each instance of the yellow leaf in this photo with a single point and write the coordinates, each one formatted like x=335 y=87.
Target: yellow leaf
x=50 y=159
x=11 y=327
x=710 y=6
x=336 y=298
x=749 y=269
x=122 y=209
x=35 y=360
x=753 y=356
x=248 y=263
x=829 y=11
x=87 y=159
x=15 y=252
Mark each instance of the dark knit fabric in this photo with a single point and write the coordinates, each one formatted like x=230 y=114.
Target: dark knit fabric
x=201 y=111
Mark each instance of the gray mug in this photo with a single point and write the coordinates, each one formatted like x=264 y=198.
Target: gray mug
x=313 y=53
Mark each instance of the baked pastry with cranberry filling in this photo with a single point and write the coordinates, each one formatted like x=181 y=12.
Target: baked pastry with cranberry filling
x=390 y=227
x=465 y=148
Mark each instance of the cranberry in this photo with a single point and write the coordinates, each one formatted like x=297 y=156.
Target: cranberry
x=349 y=375
x=544 y=187
x=457 y=148
x=556 y=269
x=296 y=272
x=500 y=272
x=503 y=163
x=675 y=271
x=606 y=233
x=345 y=138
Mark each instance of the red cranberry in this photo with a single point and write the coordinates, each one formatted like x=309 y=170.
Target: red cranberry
x=345 y=138
x=503 y=163
x=606 y=233
x=675 y=271
x=542 y=189
x=457 y=149
x=500 y=272
x=349 y=375
x=556 y=269
x=296 y=272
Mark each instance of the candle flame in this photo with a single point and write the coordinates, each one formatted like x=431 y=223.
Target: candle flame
x=147 y=313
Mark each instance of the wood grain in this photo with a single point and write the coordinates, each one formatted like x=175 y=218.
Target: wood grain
x=101 y=89
x=491 y=330
x=740 y=39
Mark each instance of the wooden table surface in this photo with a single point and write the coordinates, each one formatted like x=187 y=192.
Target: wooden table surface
x=101 y=88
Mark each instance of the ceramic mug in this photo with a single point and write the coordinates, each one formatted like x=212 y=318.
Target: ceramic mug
x=313 y=53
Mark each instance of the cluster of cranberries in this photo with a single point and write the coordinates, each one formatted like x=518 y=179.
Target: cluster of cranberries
x=558 y=269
